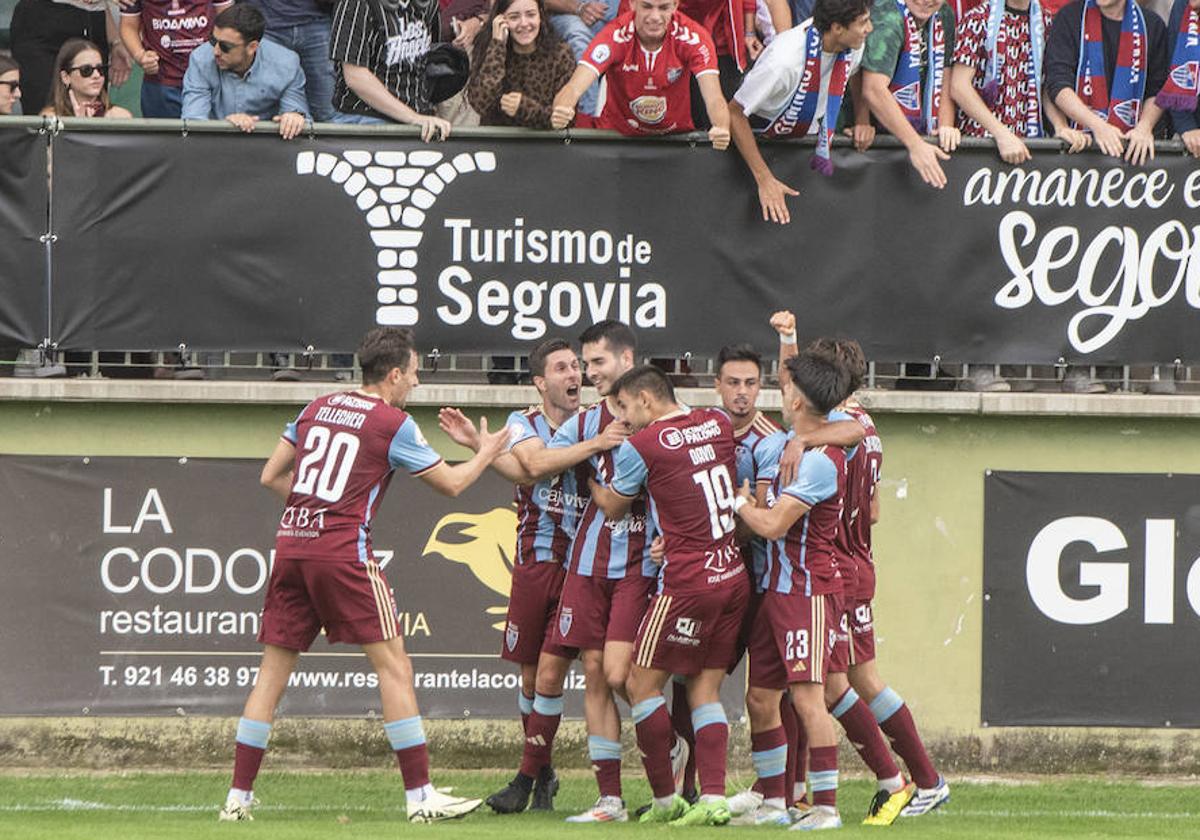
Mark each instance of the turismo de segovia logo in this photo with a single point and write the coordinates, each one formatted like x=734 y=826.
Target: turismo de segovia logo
x=394 y=190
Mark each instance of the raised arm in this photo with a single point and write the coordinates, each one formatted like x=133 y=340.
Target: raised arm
x=453 y=480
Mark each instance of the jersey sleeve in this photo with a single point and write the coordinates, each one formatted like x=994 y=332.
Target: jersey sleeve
x=520 y=429
x=601 y=51
x=816 y=480
x=767 y=453
x=630 y=469
x=700 y=51
x=289 y=431
x=410 y=450
x=567 y=434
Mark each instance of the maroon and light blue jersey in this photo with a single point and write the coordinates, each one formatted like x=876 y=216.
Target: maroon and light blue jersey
x=547 y=511
x=347 y=446
x=802 y=561
x=602 y=547
x=687 y=465
x=854 y=535
x=746 y=440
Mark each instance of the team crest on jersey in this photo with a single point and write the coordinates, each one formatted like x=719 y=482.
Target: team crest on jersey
x=1127 y=111
x=908 y=96
x=670 y=438
x=649 y=109
x=673 y=75
x=511 y=634
x=1185 y=74
x=601 y=53
x=564 y=621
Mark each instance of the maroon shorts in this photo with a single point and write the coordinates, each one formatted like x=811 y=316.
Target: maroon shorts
x=532 y=605
x=862 y=633
x=841 y=657
x=792 y=640
x=688 y=632
x=753 y=600
x=595 y=610
x=351 y=600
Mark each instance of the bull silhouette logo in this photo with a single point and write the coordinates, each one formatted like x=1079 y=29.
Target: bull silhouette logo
x=483 y=542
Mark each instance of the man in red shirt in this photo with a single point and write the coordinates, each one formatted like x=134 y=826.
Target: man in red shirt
x=333 y=466
x=645 y=57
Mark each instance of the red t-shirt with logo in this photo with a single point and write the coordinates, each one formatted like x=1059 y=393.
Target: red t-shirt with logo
x=173 y=28
x=648 y=92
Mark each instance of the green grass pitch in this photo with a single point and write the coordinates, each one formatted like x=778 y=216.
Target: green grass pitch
x=370 y=804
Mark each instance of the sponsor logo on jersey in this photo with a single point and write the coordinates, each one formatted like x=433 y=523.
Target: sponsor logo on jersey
x=564 y=621
x=686 y=626
x=908 y=96
x=1185 y=74
x=511 y=634
x=670 y=438
x=600 y=53
x=1127 y=111
x=649 y=109
x=799 y=667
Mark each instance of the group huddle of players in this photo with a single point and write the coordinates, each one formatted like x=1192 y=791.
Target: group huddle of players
x=659 y=543
x=656 y=543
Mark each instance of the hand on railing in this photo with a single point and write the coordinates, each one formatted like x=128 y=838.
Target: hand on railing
x=863 y=135
x=1141 y=145
x=1191 y=142
x=1075 y=139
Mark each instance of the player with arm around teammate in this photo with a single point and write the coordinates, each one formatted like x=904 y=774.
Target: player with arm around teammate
x=332 y=468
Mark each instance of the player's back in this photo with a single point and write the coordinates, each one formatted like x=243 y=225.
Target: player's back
x=691 y=467
x=862 y=475
x=347 y=446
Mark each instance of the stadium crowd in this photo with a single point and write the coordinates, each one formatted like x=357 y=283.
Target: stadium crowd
x=1109 y=74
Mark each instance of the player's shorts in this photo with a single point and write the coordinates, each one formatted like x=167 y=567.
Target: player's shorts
x=792 y=640
x=595 y=610
x=840 y=656
x=351 y=600
x=864 y=589
x=532 y=606
x=688 y=632
x=753 y=600
x=862 y=633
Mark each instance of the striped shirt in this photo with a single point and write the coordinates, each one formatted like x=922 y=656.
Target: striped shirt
x=393 y=45
x=747 y=439
x=548 y=510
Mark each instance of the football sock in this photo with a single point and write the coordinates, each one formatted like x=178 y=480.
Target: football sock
x=823 y=775
x=544 y=718
x=251 y=746
x=654 y=739
x=407 y=738
x=897 y=723
x=863 y=732
x=525 y=704
x=606 y=764
x=712 y=744
x=768 y=751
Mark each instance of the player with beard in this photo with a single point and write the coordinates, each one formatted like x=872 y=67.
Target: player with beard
x=546 y=517
x=610 y=574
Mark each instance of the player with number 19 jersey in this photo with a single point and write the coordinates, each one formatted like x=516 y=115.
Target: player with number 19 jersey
x=347 y=447
x=686 y=463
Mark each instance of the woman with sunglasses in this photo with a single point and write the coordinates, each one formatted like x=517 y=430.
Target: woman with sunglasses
x=79 y=89
x=10 y=85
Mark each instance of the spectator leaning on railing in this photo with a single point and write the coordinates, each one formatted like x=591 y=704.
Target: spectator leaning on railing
x=646 y=56
x=161 y=35
x=795 y=89
x=79 y=89
x=1104 y=64
x=303 y=27
x=243 y=79
x=997 y=78
x=381 y=48
x=906 y=80
x=519 y=67
x=1179 y=92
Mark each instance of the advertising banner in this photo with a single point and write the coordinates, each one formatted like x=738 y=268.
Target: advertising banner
x=1091 y=609
x=24 y=201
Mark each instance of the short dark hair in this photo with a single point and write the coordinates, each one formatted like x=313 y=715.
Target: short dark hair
x=384 y=348
x=738 y=353
x=537 y=359
x=645 y=378
x=618 y=335
x=847 y=353
x=828 y=12
x=820 y=377
x=245 y=18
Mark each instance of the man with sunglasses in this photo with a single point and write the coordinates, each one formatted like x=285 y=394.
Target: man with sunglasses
x=241 y=78
x=161 y=35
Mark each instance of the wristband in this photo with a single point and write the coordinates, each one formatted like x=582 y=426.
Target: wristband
x=740 y=502
x=787 y=338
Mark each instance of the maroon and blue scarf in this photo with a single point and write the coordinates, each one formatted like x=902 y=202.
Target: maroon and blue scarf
x=997 y=48
x=920 y=108
x=1182 y=88
x=1123 y=106
x=796 y=119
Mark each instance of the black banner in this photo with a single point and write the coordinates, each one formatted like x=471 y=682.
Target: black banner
x=486 y=244
x=134 y=585
x=23 y=204
x=1091 y=609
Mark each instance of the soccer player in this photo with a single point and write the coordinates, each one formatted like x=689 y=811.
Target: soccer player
x=610 y=574
x=796 y=88
x=332 y=467
x=794 y=630
x=646 y=57
x=546 y=515
x=684 y=459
